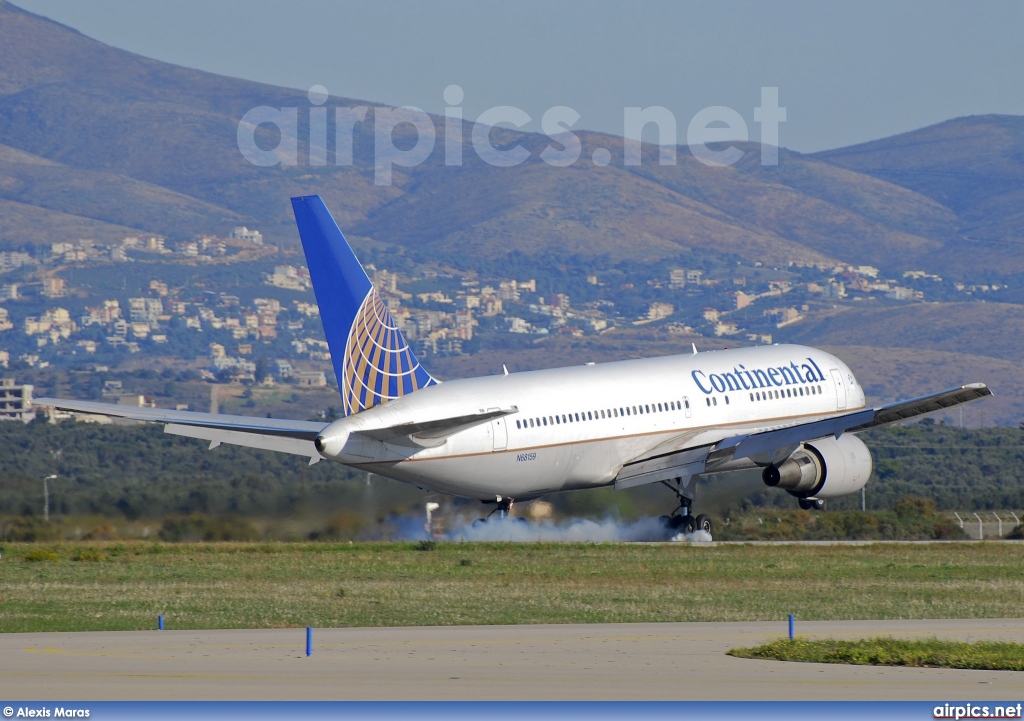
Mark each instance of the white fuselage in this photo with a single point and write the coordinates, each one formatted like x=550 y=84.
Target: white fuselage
x=575 y=427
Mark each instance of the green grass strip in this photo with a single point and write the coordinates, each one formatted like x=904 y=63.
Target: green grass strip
x=927 y=653
x=113 y=586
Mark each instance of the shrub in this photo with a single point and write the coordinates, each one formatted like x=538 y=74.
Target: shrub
x=910 y=507
x=92 y=555
x=27 y=529
x=102 y=532
x=344 y=526
x=203 y=528
x=949 y=531
x=1017 y=534
x=39 y=555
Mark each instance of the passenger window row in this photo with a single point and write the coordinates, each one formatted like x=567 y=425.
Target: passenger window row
x=584 y=416
x=785 y=393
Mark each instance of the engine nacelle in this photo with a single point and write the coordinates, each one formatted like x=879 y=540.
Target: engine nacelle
x=823 y=468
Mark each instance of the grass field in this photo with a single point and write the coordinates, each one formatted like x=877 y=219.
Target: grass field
x=237 y=585
x=928 y=653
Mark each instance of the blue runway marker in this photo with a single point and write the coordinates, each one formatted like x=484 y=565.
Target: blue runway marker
x=791 y=625
x=160 y=622
x=309 y=640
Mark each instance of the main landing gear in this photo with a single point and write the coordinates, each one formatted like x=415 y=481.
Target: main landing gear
x=686 y=523
x=681 y=520
x=812 y=504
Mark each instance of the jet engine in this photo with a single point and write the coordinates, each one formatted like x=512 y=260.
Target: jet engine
x=823 y=468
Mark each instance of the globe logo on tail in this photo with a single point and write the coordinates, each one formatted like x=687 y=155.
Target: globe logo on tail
x=379 y=366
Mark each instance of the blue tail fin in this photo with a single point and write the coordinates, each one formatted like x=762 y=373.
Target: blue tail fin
x=371 y=357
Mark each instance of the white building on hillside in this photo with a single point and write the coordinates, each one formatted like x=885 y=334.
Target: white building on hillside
x=242 y=233
x=15 y=401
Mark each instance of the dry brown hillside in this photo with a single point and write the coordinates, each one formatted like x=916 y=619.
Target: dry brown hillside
x=117 y=139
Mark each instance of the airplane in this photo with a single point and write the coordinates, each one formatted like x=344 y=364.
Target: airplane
x=791 y=411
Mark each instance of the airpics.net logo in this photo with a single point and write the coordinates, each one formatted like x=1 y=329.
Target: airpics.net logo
x=269 y=136
x=977 y=711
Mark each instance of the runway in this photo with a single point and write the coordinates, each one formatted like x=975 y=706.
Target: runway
x=644 y=661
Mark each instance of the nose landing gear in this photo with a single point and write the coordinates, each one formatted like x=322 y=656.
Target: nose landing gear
x=503 y=507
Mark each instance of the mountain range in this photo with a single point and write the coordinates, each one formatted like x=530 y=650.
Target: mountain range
x=97 y=142
x=108 y=140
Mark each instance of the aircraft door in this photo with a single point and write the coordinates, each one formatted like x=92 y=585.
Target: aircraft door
x=686 y=405
x=499 y=432
x=837 y=379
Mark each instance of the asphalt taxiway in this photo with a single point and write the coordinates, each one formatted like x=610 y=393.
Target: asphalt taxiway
x=643 y=661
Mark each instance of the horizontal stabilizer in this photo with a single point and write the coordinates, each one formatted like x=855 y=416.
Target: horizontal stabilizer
x=433 y=432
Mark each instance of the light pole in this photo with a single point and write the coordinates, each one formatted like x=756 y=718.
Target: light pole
x=55 y=454
x=46 y=496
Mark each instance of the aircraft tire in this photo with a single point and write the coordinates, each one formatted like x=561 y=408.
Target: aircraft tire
x=703 y=523
x=689 y=524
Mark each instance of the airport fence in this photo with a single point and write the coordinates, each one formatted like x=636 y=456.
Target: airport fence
x=987 y=524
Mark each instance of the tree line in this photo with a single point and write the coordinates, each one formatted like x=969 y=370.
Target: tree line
x=137 y=471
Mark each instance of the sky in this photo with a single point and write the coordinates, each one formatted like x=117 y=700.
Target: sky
x=845 y=72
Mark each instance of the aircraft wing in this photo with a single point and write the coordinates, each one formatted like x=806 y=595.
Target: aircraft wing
x=274 y=434
x=778 y=443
